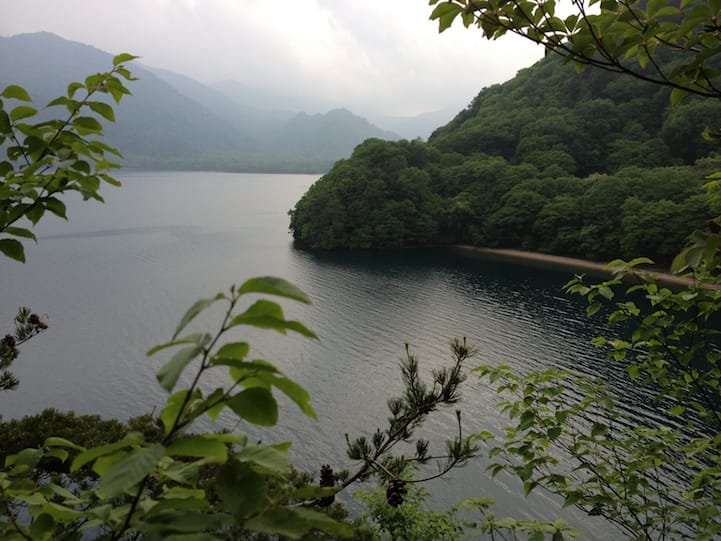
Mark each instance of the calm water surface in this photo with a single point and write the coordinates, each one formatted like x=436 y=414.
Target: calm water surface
x=115 y=279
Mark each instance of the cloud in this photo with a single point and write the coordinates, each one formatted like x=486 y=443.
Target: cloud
x=372 y=56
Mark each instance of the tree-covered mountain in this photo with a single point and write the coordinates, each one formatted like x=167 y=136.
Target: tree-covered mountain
x=176 y=122
x=592 y=166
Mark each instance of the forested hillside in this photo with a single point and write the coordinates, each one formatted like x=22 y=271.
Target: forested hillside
x=592 y=166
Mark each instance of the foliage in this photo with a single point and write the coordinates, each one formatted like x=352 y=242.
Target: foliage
x=27 y=325
x=85 y=430
x=407 y=413
x=150 y=488
x=568 y=435
x=49 y=158
x=409 y=521
x=412 y=520
x=654 y=41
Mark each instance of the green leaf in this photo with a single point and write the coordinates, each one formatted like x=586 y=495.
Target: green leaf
x=21 y=232
x=103 y=109
x=26 y=459
x=598 y=429
x=235 y=350
x=22 y=111
x=571 y=499
x=677 y=95
x=677 y=410
x=554 y=432
x=62 y=513
x=85 y=457
x=446 y=13
x=168 y=375
x=294 y=523
x=241 y=489
x=43 y=527
x=16 y=92
x=55 y=206
x=266 y=457
x=201 y=339
x=5 y=125
x=193 y=311
x=295 y=392
x=270 y=285
x=130 y=471
x=269 y=315
x=172 y=408
x=606 y=292
x=214 y=451
x=679 y=262
x=54 y=441
x=86 y=125
x=538 y=535
x=73 y=88
x=12 y=249
x=123 y=57
x=255 y=405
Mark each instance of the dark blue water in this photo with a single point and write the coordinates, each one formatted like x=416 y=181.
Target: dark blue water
x=115 y=280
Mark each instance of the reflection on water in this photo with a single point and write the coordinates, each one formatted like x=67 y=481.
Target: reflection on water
x=116 y=278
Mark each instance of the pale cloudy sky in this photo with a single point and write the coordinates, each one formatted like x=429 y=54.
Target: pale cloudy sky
x=372 y=56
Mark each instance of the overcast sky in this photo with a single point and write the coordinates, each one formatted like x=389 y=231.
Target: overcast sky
x=373 y=56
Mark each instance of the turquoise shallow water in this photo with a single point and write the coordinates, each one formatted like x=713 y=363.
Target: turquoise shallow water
x=115 y=279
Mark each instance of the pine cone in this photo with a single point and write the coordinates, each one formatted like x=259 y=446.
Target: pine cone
x=327 y=479
x=395 y=492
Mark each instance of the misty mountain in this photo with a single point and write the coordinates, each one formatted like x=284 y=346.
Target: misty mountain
x=248 y=94
x=157 y=123
x=412 y=127
x=281 y=132
x=174 y=121
x=264 y=124
x=279 y=103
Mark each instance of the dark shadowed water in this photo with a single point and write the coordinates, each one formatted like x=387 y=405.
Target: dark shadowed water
x=115 y=280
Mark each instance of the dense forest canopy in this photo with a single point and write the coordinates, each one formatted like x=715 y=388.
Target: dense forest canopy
x=592 y=166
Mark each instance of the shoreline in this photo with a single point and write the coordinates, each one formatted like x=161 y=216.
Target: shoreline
x=570 y=263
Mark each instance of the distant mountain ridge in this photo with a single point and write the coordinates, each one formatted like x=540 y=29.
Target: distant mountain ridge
x=173 y=121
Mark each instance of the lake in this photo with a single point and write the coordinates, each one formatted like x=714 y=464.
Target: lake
x=115 y=279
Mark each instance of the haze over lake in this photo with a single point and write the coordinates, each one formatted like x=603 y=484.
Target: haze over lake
x=115 y=280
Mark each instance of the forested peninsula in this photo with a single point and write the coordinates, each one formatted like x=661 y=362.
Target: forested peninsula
x=594 y=166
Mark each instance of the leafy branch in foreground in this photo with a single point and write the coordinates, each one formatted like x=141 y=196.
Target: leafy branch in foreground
x=655 y=479
x=49 y=158
x=664 y=44
x=154 y=489
x=44 y=160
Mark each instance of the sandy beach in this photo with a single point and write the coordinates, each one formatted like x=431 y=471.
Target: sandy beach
x=569 y=263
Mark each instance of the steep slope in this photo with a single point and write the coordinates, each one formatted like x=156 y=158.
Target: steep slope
x=592 y=166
